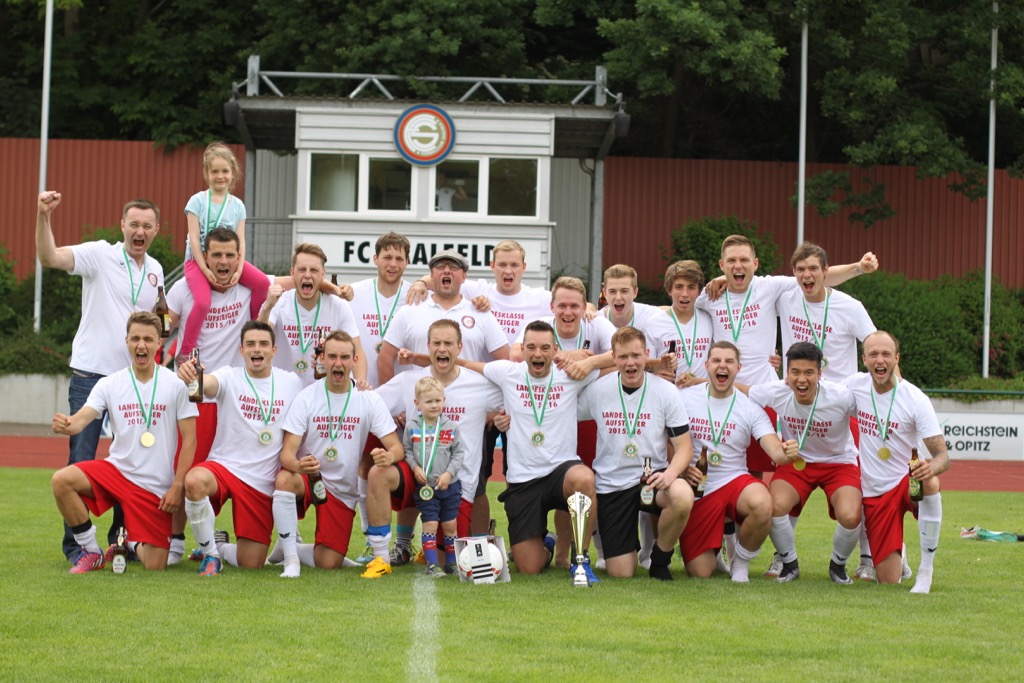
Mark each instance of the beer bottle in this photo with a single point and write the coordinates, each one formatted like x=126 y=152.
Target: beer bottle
x=319 y=369
x=195 y=387
x=119 y=559
x=702 y=465
x=646 y=494
x=586 y=344
x=916 y=487
x=318 y=488
x=334 y=279
x=162 y=310
x=672 y=347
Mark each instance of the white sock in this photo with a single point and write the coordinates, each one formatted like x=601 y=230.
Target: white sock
x=345 y=562
x=739 y=566
x=929 y=522
x=177 y=551
x=361 y=487
x=865 y=547
x=304 y=551
x=793 y=521
x=229 y=553
x=286 y=519
x=87 y=539
x=729 y=541
x=843 y=542
x=292 y=569
x=782 y=538
x=380 y=546
x=201 y=518
x=646 y=536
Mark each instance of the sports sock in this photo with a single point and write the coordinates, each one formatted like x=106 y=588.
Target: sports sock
x=201 y=518
x=379 y=538
x=646 y=538
x=843 y=542
x=449 y=549
x=865 y=547
x=782 y=538
x=430 y=548
x=85 y=536
x=286 y=519
x=929 y=522
x=361 y=487
x=739 y=566
x=229 y=553
x=304 y=551
x=660 y=561
x=403 y=535
x=177 y=550
x=793 y=521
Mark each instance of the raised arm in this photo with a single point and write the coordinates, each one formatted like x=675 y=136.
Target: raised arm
x=837 y=275
x=50 y=255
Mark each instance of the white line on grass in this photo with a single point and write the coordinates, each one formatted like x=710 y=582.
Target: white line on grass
x=425 y=648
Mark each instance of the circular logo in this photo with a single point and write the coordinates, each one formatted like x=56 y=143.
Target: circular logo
x=468 y=322
x=152 y=279
x=424 y=135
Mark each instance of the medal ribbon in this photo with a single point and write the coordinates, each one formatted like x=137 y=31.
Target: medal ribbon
x=737 y=331
x=331 y=431
x=131 y=277
x=544 y=401
x=824 y=322
x=259 y=402
x=884 y=433
x=209 y=208
x=152 y=398
x=391 y=316
x=807 y=427
x=433 y=446
x=304 y=343
x=715 y=439
x=579 y=338
x=631 y=430
x=682 y=339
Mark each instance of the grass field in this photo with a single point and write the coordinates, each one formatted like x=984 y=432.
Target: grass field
x=252 y=625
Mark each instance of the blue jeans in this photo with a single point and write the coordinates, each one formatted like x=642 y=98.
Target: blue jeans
x=83 y=447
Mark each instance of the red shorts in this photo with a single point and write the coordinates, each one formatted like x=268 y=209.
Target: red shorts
x=757 y=459
x=251 y=511
x=206 y=429
x=829 y=478
x=465 y=518
x=333 y=521
x=586 y=441
x=883 y=520
x=143 y=518
x=405 y=496
x=706 y=524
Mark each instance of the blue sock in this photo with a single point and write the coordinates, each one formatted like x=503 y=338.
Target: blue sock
x=449 y=549
x=430 y=548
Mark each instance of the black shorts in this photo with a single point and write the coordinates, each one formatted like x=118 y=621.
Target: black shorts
x=487 y=461
x=527 y=504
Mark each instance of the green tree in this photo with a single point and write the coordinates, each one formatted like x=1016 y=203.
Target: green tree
x=701 y=240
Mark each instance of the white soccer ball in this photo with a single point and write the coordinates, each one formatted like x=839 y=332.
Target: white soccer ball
x=468 y=559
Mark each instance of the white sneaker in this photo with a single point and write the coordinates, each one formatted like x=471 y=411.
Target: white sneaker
x=775 y=568
x=865 y=572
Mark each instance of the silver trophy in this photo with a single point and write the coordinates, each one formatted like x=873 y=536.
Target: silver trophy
x=579 y=512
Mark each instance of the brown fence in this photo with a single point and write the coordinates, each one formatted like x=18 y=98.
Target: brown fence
x=934 y=232
x=96 y=178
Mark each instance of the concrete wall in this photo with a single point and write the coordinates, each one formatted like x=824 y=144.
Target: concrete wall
x=33 y=399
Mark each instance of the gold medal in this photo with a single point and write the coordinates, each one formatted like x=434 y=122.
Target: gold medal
x=884 y=453
x=301 y=365
x=631 y=450
x=331 y=454
x=715 y=458
x=266 y=437
x=538 y=438
x=799 y=463
x=426 y=493
x=147 y=439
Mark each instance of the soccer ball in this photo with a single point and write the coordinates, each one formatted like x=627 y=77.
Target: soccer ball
x=468 y=559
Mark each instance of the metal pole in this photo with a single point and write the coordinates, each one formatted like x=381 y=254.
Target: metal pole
x=989 y=208
x=44 y=140
x=802 y=173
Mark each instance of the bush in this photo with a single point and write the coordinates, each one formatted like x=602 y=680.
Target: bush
x=701 y=240
x=26 y=352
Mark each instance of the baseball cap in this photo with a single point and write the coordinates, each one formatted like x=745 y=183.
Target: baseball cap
x=449 y=255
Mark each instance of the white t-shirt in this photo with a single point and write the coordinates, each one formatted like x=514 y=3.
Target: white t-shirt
x=237 y=445
x=735 y=423
x=756 y=336
x=334 y=314
x=220 y=338
x=107 y=302
x=528 y=459
x=598 y=332
x=372 y=311
x=829 y=439
x=324 y=429
x=512 y=312
x=692 y=337
x=911 y=420
x=467 y=400
x=212 y=216
x=149 y=468
x=661 y=409
x=481 y=334
x=847 y=322
x=655 y=325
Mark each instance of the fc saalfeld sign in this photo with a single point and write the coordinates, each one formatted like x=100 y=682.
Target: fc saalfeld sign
x=424 y=135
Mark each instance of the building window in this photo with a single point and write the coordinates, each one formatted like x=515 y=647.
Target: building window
x=334 y=182
x=390 y=185
x=457 y=186
x=512 y=187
